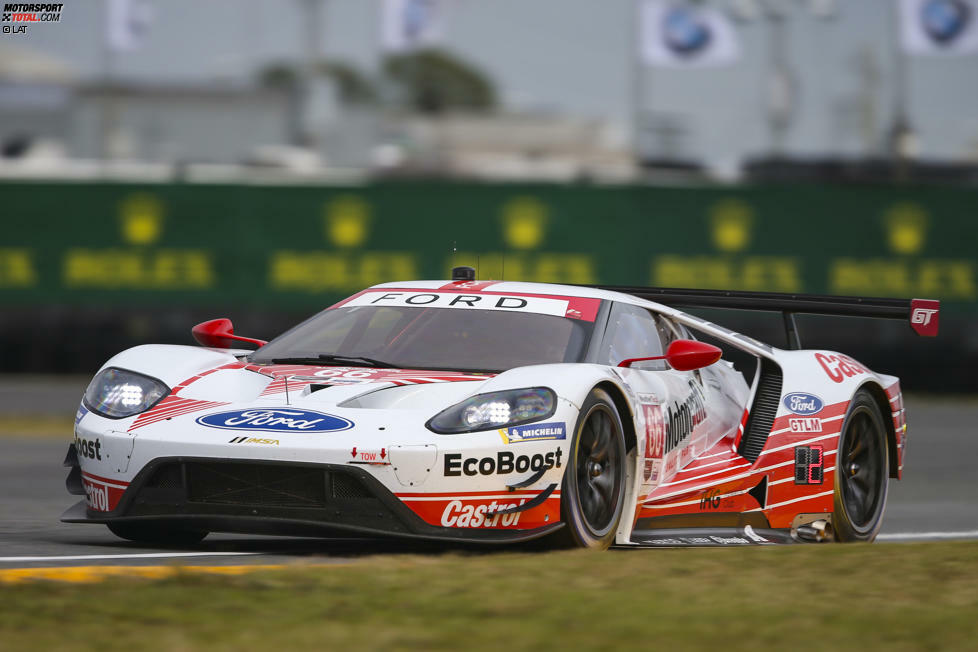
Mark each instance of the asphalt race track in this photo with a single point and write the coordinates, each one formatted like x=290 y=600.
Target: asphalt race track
x=938 y=499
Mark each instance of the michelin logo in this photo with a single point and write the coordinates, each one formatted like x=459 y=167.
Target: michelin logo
x=534 y=432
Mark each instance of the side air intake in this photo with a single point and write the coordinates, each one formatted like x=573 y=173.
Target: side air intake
x=763 y=411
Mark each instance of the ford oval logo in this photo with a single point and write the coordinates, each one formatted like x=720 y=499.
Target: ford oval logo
x=275 y=420
x=801 y=403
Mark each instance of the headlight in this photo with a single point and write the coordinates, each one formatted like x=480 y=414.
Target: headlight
x=117 y=393
x=495 y=410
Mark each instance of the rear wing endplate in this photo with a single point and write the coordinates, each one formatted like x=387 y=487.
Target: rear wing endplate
x=922 y=314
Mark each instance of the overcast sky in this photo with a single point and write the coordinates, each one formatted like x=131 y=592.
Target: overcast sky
x=574 y=57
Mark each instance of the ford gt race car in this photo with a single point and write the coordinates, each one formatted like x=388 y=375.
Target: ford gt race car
x=498 y=412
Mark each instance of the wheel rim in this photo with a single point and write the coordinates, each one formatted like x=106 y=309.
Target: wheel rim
x=598 y=463
x=861 y=467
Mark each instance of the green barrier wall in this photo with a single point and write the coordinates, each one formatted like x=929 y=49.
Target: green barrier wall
x=301 y=248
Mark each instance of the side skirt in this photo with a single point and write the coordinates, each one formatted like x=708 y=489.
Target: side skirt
x=711 y=537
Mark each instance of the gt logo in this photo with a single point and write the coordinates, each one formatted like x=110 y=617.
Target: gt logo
x=922 y=315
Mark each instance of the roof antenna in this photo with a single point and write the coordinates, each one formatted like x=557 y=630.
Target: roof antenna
x=463 y=273
x=286 y=378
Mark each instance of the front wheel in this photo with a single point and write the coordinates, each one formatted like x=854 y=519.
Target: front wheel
x=156 y=533
x=861 y=472
x=593 y=489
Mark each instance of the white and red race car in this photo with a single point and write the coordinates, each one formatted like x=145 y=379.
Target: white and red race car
x=494 y=411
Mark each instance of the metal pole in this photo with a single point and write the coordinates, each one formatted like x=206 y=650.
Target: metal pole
x=312 y=22
x=638 y=87
x=779 y=91
x=105 y=63
x=901 y=134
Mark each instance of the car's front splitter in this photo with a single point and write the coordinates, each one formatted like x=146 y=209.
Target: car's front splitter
x=275 y=497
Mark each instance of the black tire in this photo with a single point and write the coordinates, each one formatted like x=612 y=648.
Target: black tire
x=862 y=472
x=593 y=489
x=156 y=533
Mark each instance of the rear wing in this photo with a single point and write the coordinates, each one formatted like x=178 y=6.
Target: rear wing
x=922 y=314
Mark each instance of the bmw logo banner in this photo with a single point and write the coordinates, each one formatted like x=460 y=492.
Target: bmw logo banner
x=939 y=27
x=682 y=34
x=406 y=25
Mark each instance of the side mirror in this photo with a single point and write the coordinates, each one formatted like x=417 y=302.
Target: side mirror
x=219 y=333
x=684 y=355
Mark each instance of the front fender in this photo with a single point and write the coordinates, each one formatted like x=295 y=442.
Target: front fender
x=169 y=362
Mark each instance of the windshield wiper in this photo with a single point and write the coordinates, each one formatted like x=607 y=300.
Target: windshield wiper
x=330 y=358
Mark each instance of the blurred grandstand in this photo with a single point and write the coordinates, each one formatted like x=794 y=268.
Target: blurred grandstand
x=787 y=145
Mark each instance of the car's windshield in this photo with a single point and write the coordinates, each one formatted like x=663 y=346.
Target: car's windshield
x=431 y=338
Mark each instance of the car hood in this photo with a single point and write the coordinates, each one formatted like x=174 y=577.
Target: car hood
x=322 y=385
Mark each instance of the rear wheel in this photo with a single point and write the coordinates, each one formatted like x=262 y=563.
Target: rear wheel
x=861 y=472
x=156 y=533
x=593 y=489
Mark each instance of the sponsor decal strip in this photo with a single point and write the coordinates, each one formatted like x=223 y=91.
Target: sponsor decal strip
x=571 y=307
x=483 y=512
x=782 y=431
x=503 y=463
x=534 y=432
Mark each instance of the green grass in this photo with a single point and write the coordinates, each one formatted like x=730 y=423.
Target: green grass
x=898 y=597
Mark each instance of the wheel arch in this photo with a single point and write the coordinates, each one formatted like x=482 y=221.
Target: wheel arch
x=883 y=403
x=627 y=418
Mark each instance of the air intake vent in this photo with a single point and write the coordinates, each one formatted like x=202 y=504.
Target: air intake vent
x=346 y=486
x=256 y=484
x=168 y=476
x=763 y=410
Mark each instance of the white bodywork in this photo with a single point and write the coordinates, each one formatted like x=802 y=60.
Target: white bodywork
x=432 y=473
